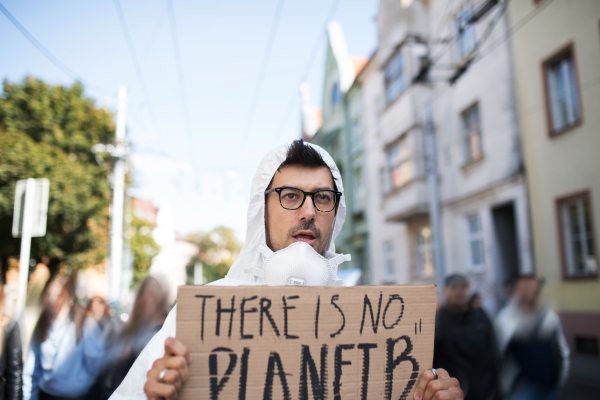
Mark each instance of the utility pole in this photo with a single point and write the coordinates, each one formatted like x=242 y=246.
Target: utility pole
x=434 y=198
x=116 y=219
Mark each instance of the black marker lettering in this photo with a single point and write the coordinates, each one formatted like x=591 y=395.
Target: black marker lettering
x=317 y=317
x=243 y=374
x=285 y=316
x=242 y=312
x=338 y=368
x=274 y=359
x=217 y=385
x=224 y=310
x=334 y=298
x=374 y=322
x=392 y=364
x=265 y=304
x=392 y=298
x=204 y=297
x=365 y=347
x=319 y=386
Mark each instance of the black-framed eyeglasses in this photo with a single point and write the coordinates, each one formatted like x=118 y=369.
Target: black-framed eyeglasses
x=292 y=198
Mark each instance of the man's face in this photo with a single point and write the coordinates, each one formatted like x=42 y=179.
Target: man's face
x=457 y=294
x=306 y=224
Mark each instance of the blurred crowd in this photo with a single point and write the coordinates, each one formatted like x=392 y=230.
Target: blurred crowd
x=78 y=349
x=85 y=352
x=520 y=354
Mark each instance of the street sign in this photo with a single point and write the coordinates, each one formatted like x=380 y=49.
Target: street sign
x=29 y=220
x=39 y=207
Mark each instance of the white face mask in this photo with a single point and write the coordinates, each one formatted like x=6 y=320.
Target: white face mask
x=298 y=265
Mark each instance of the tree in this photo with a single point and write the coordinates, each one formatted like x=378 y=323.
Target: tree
x=48 y=132
x=218 y=249
x=143 y=247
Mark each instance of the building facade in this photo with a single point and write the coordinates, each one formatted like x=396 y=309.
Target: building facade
x=429 y=55
x=342 y=135
x=557 y=63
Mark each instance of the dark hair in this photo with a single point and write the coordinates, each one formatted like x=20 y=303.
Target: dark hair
x=456 y=278
x=301 y=154
x=137 y=317
x=60 y=291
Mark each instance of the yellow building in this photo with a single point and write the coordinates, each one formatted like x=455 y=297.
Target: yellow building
x=557 y=66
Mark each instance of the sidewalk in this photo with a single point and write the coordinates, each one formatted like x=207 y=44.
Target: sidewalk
x=584 y=379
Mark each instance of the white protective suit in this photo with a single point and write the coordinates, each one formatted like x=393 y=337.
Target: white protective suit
x=240 y=272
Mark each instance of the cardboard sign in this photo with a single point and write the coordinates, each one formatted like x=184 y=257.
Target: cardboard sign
x=341 y=343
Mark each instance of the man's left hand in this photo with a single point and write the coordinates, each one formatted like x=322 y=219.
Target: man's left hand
x=443 y=388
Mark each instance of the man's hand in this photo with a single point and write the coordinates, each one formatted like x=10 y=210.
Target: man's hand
x=176 y=360
x=443 y=388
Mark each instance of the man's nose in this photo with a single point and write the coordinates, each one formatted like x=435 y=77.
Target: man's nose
x=308 y=211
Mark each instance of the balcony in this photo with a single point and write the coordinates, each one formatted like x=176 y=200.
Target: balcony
x=408 y=202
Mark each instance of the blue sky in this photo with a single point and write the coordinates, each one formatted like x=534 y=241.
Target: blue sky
x=204 y=173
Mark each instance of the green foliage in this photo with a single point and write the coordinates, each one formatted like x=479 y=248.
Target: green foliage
x=48 y=132
x=218 y=249
x=143 y=247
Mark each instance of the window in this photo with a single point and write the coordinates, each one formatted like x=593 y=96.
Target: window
x=399 y=164
x=357 y=132
x=475 y=242
x=562 y=95
x=577 y=236
x=336 y=95
x=394 y=78
x=465 y=33
x=388 y=259
x=424 y=252
x=360 y=198
x=472 y=133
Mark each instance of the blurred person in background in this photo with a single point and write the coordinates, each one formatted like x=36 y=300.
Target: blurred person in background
x=532 y=344
x=66 y=347
x=147 y=317
x=111 y=326
x=475 y=301
x=11 y=355
x=465 y=344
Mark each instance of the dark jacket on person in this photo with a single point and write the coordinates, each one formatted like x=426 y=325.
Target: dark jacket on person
x=465 y=346
x=11 y=363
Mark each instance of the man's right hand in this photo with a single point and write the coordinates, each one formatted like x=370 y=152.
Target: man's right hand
x=176 y=360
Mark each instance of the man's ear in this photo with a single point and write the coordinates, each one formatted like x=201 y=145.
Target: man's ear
x=267 y=237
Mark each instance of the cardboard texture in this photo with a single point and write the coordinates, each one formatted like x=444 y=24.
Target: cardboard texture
x=258 y=342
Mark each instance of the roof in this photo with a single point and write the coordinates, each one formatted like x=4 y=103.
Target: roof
x=359 y=63
x=144 y=209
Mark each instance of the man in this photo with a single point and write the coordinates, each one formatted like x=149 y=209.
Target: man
x=296 y=196
x=534 y=348
x=465 y=344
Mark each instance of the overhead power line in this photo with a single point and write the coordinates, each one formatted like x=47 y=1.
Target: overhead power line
x=136 y=64
x=180 y=76
x=294 y=99
x=51 y=57
x=263 y=70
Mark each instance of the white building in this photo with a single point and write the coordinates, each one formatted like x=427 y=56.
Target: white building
x=483 y=199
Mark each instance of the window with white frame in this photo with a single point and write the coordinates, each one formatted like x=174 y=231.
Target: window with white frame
x=399 y=163
x=389 y=259
x=562 y=92
x=424 y=252
x=472 y=133
x=357 y=132
x=336 y=95
x=578 y=236
x=465 y=32
x=475 y=242
x=395 y=82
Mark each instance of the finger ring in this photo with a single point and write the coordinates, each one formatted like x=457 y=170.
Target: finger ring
x=435 y=374
x=161 y=376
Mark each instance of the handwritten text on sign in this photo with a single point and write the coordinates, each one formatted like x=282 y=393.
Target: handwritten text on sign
x=257 y=342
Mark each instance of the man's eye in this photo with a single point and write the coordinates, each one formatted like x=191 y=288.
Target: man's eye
x=323 y=197
x=290 y=196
